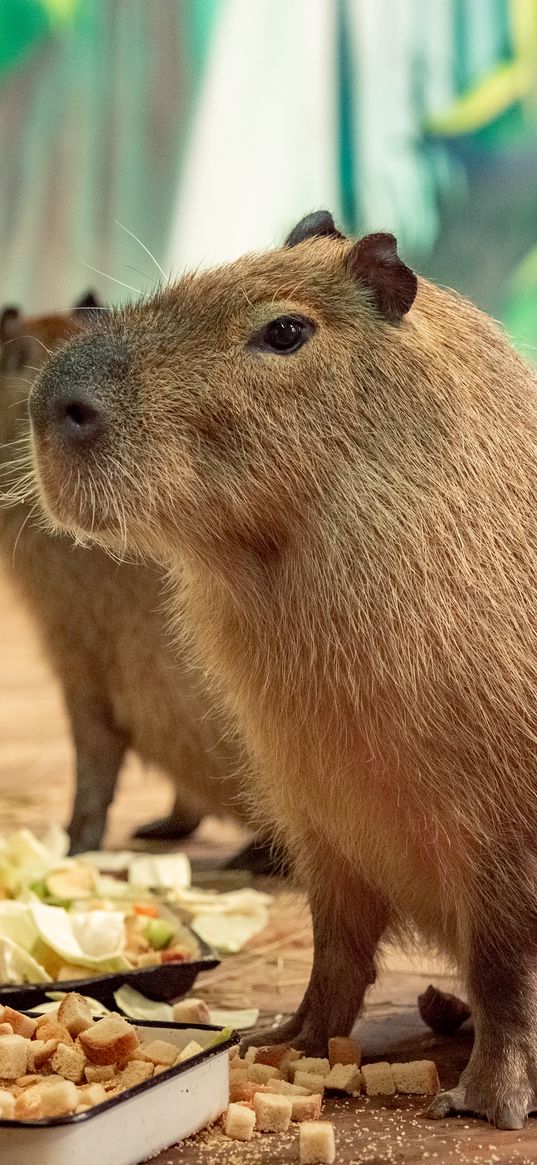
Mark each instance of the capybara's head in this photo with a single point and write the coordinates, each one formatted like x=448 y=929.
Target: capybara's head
x=214 y=412
x=25 y=343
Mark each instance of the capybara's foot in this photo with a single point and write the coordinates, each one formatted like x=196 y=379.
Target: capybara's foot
x=167 y=829
x=504 y=1094
x=299 y=1033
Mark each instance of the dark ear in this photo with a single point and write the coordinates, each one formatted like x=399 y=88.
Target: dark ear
x=87 y=301
x=374 y=262
x=12 y=345
x=318 y=225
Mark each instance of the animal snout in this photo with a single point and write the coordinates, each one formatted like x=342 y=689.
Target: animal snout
x=72 y=399
x=78 y=419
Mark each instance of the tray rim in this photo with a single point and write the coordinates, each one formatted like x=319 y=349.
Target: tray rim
x=170 y=1073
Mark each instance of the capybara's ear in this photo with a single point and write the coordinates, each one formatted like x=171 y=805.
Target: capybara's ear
x=89 y=300
x=318 y=225
x=374 y=262
x=12 y=354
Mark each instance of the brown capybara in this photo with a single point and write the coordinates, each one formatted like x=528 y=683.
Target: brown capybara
x=107 y=635
x=340 y=460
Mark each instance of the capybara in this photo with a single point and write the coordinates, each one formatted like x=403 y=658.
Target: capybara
x=106 y=634
x=340 y=461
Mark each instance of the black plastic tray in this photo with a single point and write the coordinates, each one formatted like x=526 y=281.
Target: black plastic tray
x=162 y=983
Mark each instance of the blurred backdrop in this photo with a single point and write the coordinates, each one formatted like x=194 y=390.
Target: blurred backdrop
x=207 y=127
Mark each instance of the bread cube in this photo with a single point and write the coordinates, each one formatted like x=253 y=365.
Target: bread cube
x=136 y=1072
x=160 y=1052
x=39 y=1052
x=49 y=1099
x=52 y=1030
x=251 y=1055
x=89 y=1095
x=272 y=1054
x=306 y=1108
x=417 y=1078
x=6 y=1029
x=75 y=1013
x=237 y=1074
x=319 y=1065
x=317 y=1143
x=109 y=1040
x=192 y=1049
x=284 y=1088
x=239 y=1123
x=262 y=1073
x=313 y=1081
x=97 y=1074
x=23 y=1025
x=69 y=1063
x=272 y=1112
x=344 y=1078
x=7 y=1105
x=344 y=1051
x=378 y=1079
x=191 y=1011
x=13 y=1056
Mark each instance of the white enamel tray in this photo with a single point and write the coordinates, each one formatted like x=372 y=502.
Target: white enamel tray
x=138 y=1123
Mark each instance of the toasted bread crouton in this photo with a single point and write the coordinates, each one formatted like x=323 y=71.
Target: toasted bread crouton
x=160 y=1052
x=109 y=1040
x=136 y=1072
x=6 y=1029
x=75 y=1013
x=272 y=1054
x=7 y=1105
x=27 y=1080
x=342 y=1050
x=13 y=1056
x=68 y=1062
x=236 y=1074
x=344 y=1078
x=90 y=1095
x=191 y=1011
x=50 y=1029
x=98 y=1073
x=313 y=1081
x=192 y=1049
x=272 y=1112
x=262 y=1073
x=23 y=1025
x=306 y=1108
x=48 y=1099
x=319 y=1065
x=39 y=1052
x=418 y=1078
x=317 y=1143
x=251 y=1055
x=378 y=1079
x=239 y=1123
x=284 y=1088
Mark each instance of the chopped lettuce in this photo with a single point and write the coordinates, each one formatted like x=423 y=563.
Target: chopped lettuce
x=18 y=966
x=93 y=939
x=166 y=871
x=136 y=1006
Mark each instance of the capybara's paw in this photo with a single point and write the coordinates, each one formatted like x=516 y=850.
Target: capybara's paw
x=300 y=1034
x=503 y=1108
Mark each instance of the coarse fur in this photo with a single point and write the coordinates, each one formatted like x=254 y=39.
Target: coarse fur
x=353 y=531
x=106 y=631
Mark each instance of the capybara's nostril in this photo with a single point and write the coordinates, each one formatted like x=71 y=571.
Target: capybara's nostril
x=80 y=420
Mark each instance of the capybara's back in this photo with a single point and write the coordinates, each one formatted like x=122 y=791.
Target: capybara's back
x=341 y=460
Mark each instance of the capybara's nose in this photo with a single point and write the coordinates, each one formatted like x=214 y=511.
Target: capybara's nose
x=78 y=419
x=71 y=398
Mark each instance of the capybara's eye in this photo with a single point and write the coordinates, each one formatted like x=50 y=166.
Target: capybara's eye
x=284 y=335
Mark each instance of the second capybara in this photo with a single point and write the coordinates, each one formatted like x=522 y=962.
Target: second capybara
x=106 y=633
x=340 y=461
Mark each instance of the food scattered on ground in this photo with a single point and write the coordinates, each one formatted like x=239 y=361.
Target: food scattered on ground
x=69 y=1062
x=317 y=1143
x=442 y=1012
x=378 y=1079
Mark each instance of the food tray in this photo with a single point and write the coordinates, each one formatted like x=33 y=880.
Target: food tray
x=138 y=1123
x=164 y=983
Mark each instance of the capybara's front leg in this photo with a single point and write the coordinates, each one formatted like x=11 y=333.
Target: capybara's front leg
x=349 y=918
x=500 y=1081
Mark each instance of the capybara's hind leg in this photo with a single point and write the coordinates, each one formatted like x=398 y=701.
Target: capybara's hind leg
x=500 y=1081
x=349 y=918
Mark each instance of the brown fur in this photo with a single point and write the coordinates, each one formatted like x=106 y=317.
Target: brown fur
x=106 y=633
x=355 y=531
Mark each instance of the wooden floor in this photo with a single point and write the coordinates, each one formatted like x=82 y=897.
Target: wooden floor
x=35 y=788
